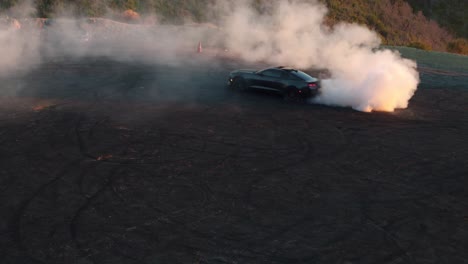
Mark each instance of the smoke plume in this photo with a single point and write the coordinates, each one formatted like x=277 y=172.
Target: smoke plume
x=363 y=76
x=18 y=50
x=292 y=33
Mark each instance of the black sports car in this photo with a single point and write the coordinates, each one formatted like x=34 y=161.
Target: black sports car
x=291 y=83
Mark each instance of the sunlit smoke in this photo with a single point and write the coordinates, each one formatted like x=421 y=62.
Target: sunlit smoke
x=363 y=77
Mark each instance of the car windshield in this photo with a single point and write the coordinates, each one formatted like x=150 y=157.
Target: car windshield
x=304 y=76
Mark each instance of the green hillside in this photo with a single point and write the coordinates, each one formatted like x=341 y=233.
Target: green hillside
x=438 y=69
x=439 y=25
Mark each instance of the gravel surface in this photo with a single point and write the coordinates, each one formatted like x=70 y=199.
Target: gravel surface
x=112 y=162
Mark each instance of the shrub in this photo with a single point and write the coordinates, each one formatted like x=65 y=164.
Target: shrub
x=420 y=45
x=458 y=46
x=130 y=15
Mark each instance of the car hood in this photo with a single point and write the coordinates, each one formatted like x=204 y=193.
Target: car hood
x=244 y=71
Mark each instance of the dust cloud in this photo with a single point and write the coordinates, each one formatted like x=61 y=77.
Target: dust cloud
x=363 y=76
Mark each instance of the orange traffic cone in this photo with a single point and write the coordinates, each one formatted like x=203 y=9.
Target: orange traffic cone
x=199 y=49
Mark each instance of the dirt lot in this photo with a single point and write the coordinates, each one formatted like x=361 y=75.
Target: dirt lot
x=106 y=162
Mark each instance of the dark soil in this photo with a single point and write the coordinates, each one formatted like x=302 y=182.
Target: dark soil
x=106 y=162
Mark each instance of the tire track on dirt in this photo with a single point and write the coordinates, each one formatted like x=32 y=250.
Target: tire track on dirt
x=15 y=222
x=89 y=200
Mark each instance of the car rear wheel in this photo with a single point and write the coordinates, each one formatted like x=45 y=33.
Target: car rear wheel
x=292 y=95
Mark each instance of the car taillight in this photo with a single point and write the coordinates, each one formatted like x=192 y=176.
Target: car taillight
x=312 y=85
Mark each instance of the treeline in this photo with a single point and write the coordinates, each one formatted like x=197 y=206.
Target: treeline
x=426 y=24
x=170 y=10
x=399 y=23
x=452 y=14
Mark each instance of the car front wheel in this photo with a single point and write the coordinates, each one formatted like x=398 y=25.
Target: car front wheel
x=239 y=84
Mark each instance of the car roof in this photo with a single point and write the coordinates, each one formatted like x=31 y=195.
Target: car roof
x=281 y=68
x=285 y=68
x=289 y=69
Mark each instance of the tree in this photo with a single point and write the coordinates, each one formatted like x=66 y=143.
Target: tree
x=46 y=7
x=6 y=4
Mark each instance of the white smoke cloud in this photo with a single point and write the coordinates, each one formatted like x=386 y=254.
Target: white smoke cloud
x=286 y=33
x=364 y=77
x=18 y=48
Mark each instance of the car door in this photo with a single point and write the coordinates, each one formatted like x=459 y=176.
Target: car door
x=271 y=80
x=256 y=80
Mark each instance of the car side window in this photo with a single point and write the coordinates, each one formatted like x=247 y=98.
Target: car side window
x=272 y=73
x=293 y=77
